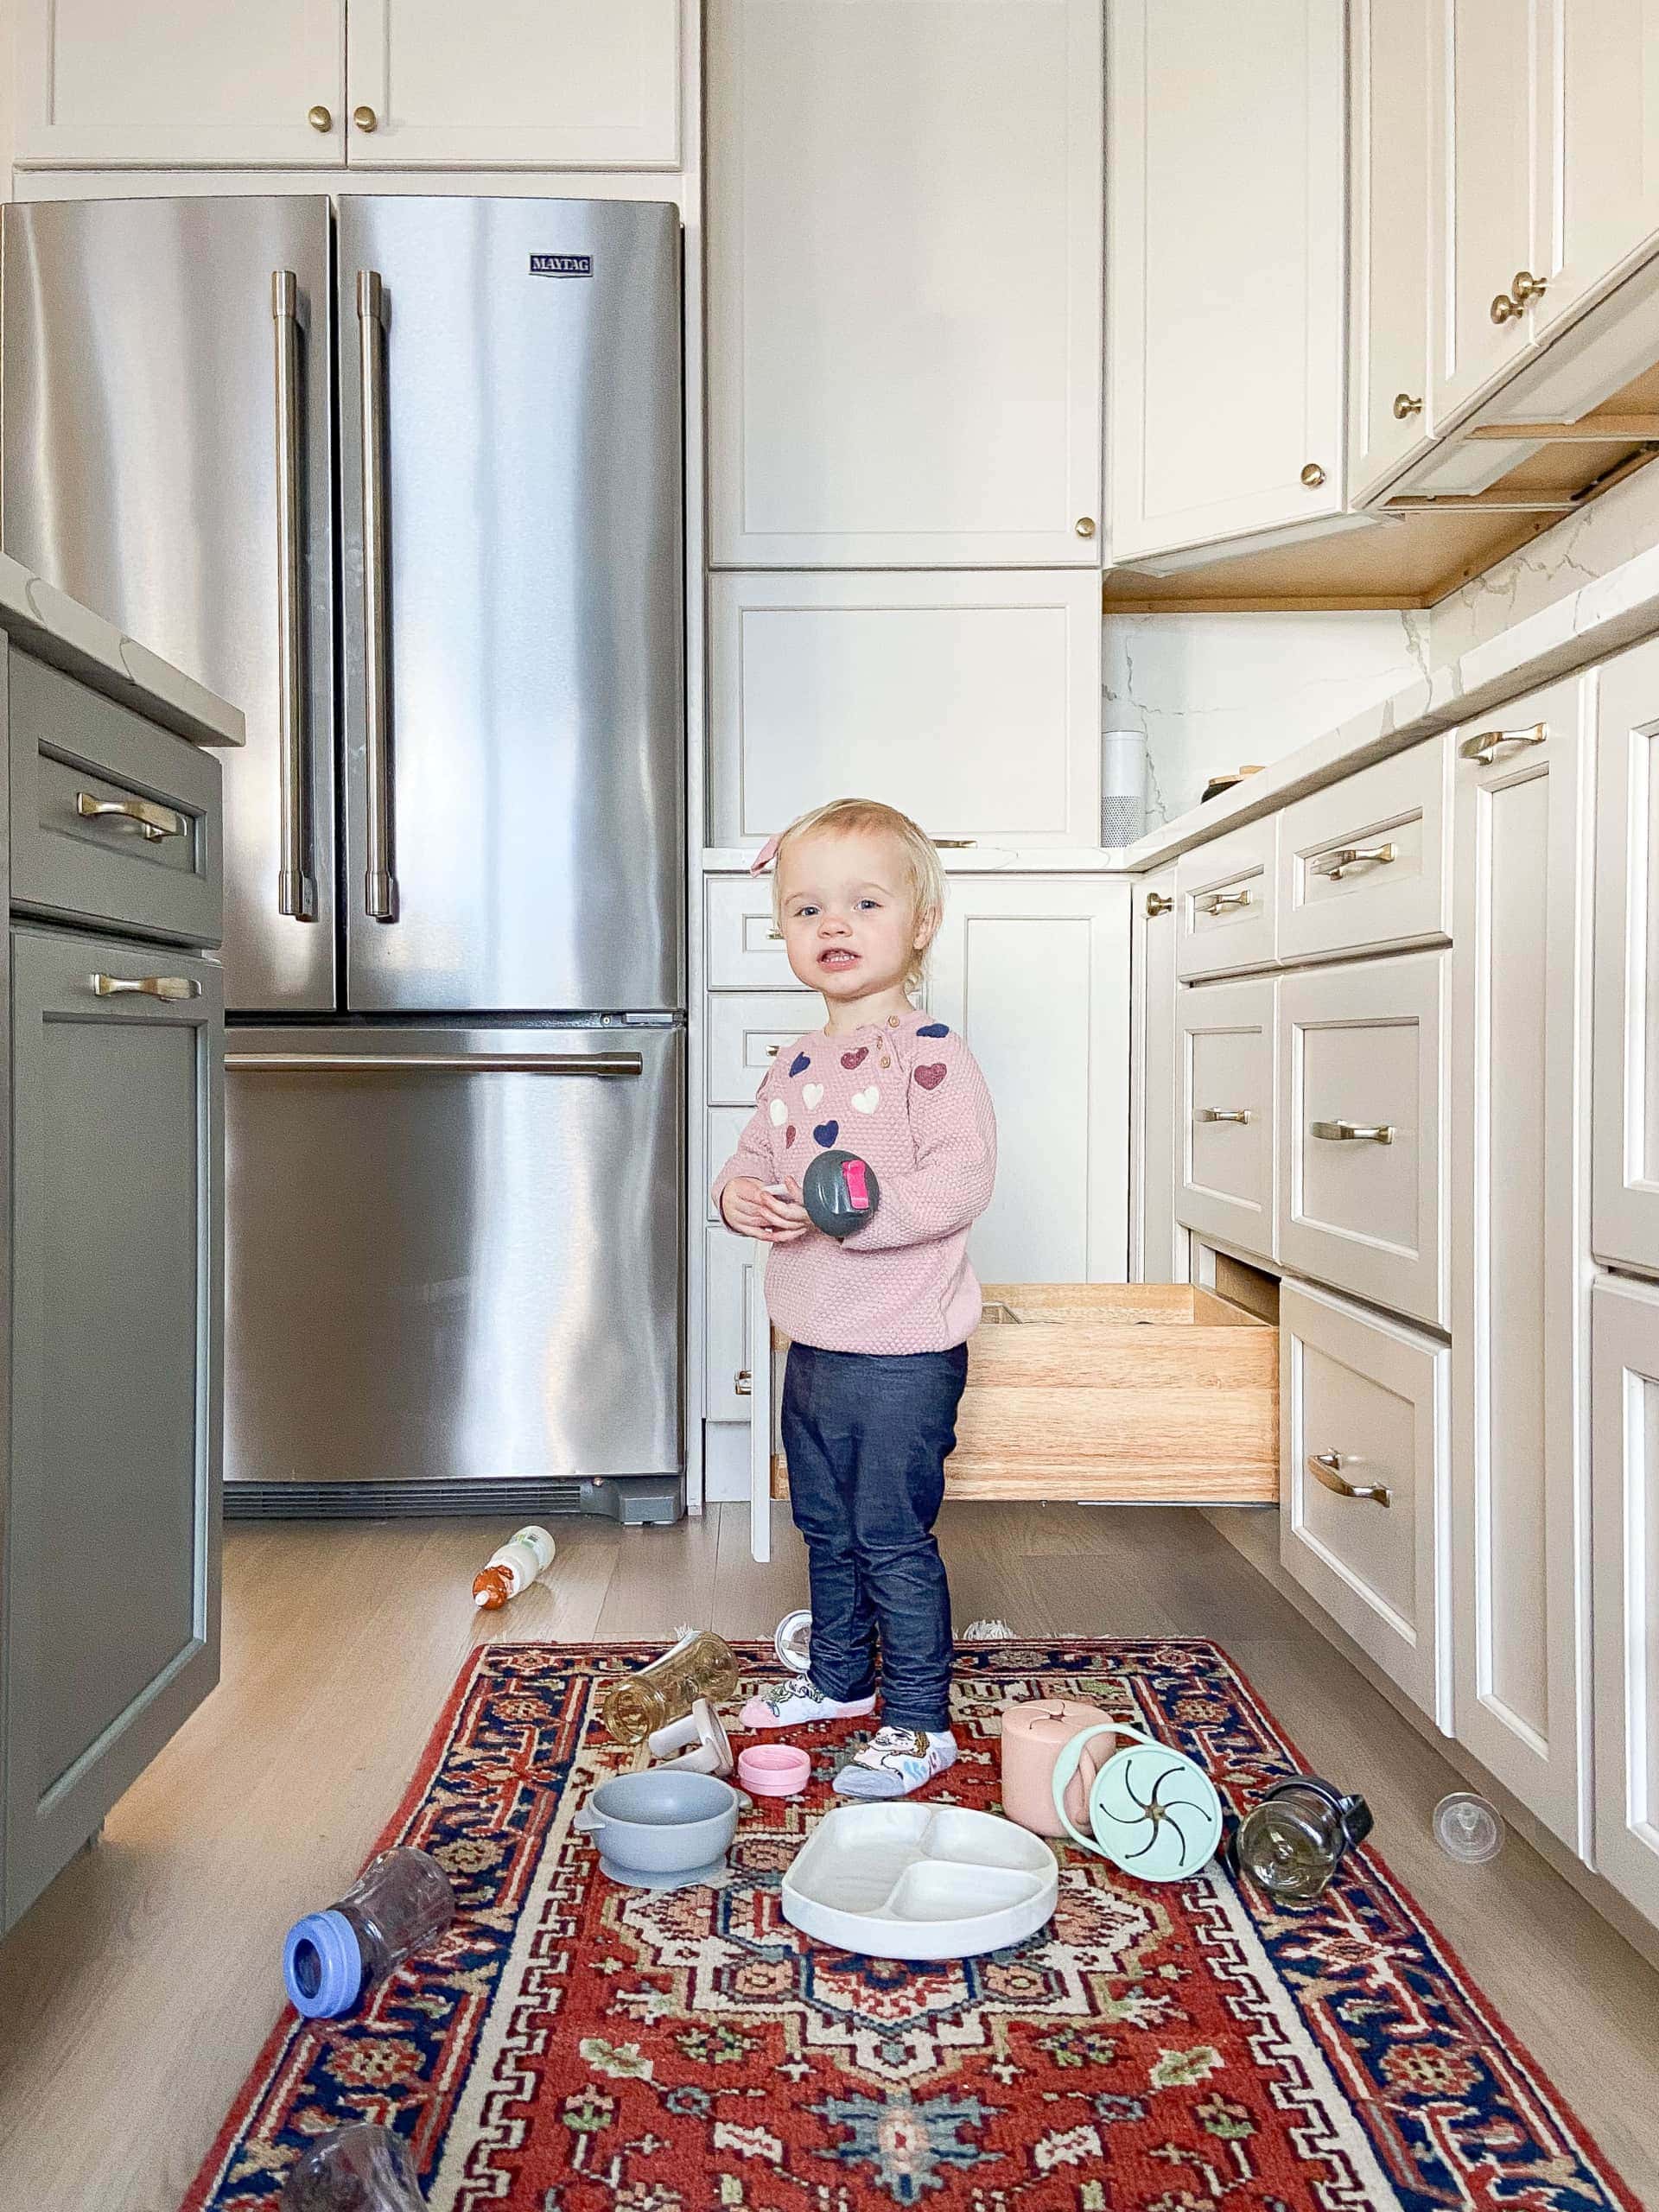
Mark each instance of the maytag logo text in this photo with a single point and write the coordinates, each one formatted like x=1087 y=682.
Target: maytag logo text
x=561 y=264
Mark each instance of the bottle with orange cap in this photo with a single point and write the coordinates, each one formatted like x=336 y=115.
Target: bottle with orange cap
x=514 y=1567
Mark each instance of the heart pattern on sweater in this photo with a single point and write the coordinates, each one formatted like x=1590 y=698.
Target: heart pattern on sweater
x=801 y=1060
x=853 y=1059
x=934 y=1029
x=789 y=1137
x=811 y=1094
x=779 y=1110
x=866 y=1100
x=826 y=1133
x=932 y=1077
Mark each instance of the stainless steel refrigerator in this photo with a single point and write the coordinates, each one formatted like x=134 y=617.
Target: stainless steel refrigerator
x=405 y=482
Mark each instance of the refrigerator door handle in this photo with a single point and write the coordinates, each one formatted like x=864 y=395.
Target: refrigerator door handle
x=599 y=1064
x=380 y=886
x=295 y=897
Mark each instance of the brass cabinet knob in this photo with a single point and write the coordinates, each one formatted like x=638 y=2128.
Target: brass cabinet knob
x=321 y=119
x=1527 y=287
x=1405 y=406
x=1158 y=902
x=1505 y=310
x=1312 y=476
x=1086 y=525
x=365 y=118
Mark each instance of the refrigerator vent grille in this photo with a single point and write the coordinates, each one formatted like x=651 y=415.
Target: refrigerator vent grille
x=379 y=1501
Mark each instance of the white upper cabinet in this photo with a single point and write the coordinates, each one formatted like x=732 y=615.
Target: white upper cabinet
x=1226 y=197
x=903 y=236
x=504 y=85
x=972 y=702
x=1600 y=112
x=377 y=83
x=1387 y=238
x=259 y=82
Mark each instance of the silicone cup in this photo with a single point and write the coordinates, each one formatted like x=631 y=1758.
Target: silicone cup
x=774 y=1769
x=1068 y=1763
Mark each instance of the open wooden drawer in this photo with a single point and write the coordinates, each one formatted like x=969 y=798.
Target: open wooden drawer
x=1140 y=1394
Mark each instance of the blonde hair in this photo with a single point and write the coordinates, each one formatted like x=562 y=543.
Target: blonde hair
x=924 y=876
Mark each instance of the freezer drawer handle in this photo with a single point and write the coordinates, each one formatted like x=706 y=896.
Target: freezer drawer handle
x=1353 y=1132
x=1336 y=865
x=379 y=887
x=1327 y=1468
x=156 y=821
x=294 y=894
x=605 y=1064
x=147 y=986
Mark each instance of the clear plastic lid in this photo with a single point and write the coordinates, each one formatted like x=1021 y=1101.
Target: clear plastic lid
x=792 y=1641
x=1468 y=1828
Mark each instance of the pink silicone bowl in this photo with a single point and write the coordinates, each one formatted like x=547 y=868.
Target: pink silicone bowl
x=773 y=1770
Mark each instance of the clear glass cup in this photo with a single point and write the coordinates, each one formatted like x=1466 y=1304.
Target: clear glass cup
x=1291 y=1843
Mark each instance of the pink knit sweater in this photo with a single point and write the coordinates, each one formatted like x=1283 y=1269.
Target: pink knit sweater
x=909 y=1099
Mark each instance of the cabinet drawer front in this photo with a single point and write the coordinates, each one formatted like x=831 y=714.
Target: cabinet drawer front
x=743 y=948
x=1225 y=1061
x=113 y=821
x=1363 y=864
x=746 y=1031
x=731 y=1282
x=1224 y=902
x=1360 y=1139
x=723 y=1125
x=115 y=1353
x=1363 y=1409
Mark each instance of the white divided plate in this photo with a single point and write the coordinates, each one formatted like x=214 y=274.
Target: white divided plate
x=909 y=1881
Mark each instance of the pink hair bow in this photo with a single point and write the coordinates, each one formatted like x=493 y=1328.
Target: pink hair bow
x=768 y=852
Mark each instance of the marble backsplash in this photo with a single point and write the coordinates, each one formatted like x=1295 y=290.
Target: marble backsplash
x=1212 y=692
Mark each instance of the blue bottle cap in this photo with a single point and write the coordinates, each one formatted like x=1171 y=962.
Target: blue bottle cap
x=322 y=1966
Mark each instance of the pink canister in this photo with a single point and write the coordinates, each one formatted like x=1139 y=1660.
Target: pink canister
x=1032 y=1734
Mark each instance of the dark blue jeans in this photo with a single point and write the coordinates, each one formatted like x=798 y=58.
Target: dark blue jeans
x=867 y=1436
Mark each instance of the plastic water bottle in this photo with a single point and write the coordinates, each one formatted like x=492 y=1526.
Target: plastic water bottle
x=400 y=1902
x=362 y=2168
x=513 y=1567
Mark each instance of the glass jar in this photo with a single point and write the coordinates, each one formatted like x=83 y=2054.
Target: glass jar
x=1293 y=1842
x=699 y=1665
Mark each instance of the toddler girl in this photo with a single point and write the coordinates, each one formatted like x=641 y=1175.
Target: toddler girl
x=878 y=1322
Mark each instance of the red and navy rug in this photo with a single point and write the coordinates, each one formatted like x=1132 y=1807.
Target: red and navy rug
x=575 y=2047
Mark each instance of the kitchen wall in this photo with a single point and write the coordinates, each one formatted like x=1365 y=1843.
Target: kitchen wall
x=1212 y=692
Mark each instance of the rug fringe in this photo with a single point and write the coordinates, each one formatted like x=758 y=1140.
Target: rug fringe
x=996 y=1631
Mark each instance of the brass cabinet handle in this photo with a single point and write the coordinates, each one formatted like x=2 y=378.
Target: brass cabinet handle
x=365 y=118
x=953 y=844
x=774 y=937
x=1489 y=743
x=1336 y=865
x=1221 y=902
x=1086 y=525
x=1505 y=310
x=1405 y=406
x=1327 y=1468
x=147 y=986
x=1353 y=1132
x=321 y=119
x=1312 y=476
x=1158 y=902
x=1240 y=1114
x=1527 y=287
x=156 y=821
x=743 y=1384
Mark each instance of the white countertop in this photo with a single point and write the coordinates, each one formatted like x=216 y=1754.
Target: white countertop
x=1603 y=616
x=49 y=624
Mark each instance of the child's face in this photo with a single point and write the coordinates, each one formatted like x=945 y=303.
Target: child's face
x=850 y=926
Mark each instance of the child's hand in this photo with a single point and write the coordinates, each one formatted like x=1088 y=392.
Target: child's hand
x=753 y=1211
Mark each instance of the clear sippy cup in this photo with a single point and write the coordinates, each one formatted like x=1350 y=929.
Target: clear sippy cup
x=1293 y=1842
x=699 y=1665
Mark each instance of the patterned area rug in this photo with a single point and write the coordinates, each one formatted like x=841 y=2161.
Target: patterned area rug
x=575 y=2046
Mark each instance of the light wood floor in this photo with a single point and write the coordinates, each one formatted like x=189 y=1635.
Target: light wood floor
x=136 y=1994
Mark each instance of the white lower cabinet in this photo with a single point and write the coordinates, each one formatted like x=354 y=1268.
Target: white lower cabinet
x=731 y=1281
x=1034 y=971
x=1626 y=1172
x=1158 y=1242
x=972 y=702
x=1225 y=1090
x=1519 y=1182
x=1361 y=1108
x=1624 y=1339
x=1363 y=1488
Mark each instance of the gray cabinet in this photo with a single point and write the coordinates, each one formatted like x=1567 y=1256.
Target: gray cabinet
x=109 y=1630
